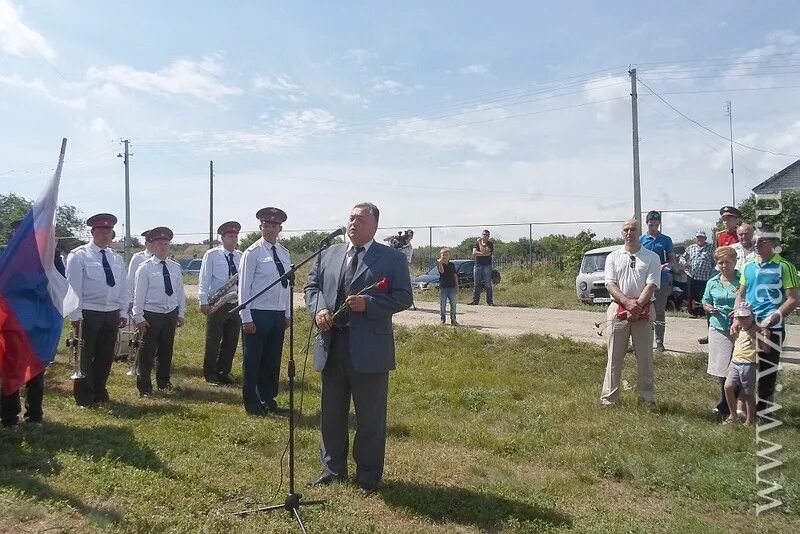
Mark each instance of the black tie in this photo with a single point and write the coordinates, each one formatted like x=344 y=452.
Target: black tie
x=347 y=277
x=107 y=268
x=231 y=266
x=167 y=280
x=279 y=265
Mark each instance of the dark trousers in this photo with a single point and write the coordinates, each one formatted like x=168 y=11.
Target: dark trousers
x=159 y=338
x=222 y=337
x=10 y=405
x=99 y=332
x=369 y=391
x=482 y=277
x=769 y=355
x=261 y=364
x=696 y=290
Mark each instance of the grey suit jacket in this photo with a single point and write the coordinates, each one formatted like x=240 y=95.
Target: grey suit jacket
x=371 y=333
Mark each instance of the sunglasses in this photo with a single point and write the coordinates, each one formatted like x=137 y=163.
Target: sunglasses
x=632 y=264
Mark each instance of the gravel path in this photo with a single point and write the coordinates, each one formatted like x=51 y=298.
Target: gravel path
x=681 y=333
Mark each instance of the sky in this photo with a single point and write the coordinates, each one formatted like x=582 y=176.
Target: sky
x=459 y=115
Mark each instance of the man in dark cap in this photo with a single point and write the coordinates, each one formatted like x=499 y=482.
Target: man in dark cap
x=159 y=306
x=219 y=267
x=136 y=260
x=97 y=274
x=730 y=218
x=661 y=244
x=265 y=319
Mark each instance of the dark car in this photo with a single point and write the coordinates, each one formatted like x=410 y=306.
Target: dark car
x=464 y=269
x=192 y=267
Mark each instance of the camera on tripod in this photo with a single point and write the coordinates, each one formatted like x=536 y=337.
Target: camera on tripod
x=401 y=239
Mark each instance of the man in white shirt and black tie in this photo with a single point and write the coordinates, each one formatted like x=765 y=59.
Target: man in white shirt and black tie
x=136 y=261
x=97 y=275
x=159 y=306
x=265 y=319
x=219 y=265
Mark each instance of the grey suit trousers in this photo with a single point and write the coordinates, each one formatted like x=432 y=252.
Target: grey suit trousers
x=369 y=391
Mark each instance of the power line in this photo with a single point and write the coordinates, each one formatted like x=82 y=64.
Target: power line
x=706 y=128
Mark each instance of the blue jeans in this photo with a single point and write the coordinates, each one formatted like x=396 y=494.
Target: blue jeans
x=445 y=294
x=262 y=360
x=483 y=276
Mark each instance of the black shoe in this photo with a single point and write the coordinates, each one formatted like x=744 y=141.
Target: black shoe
x=490 y=303
x=225 y=379
x=326 y=479
x=274 y=408
x=257 y=413
x=365 y=492
x=703 y=340
x=472 y=303
x=166 y=387
x=146 y=394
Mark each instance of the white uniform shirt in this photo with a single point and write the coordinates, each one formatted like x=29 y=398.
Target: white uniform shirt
x=136 y=261
x=742 y=255
x=149 y=293
x=214 y=271
x=633 y=277
x=257 y=271
x=86 y=275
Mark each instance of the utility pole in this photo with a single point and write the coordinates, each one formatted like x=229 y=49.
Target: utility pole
x=126 y=162
x=729 y=110
x=637 y=189
x=211 y=204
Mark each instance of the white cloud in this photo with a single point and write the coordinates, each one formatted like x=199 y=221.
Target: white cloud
x=605 y=88
x=351 y=98
x=99 y=126
x=475 y=68
x=282 y=86
x=17 y=38
x=749 y=68
x=181 y=77
x=393 y=87
x=278 y=135
x=37 y=86
x=441 y=134
x=359 y=56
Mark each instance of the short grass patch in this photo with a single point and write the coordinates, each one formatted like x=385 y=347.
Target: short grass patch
x=486 y=434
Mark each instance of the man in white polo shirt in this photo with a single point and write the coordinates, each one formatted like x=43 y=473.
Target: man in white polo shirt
x=632 y=276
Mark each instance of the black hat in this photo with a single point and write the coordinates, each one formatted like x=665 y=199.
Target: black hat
x=146 y=236
x=230 y=227
x=101 y=220
x=273 y=215
x=653 y=215
x=729 y=211
x=160 y=232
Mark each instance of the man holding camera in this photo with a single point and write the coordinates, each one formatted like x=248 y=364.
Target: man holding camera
x=482 y=272
x=402 y=241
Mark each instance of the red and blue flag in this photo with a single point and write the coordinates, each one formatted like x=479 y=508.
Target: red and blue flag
x=34 y=296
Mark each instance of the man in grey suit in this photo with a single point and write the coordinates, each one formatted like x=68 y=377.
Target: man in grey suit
x=356 y=354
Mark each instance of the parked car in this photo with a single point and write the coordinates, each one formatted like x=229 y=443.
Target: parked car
x=590 y=286
x=464 y=269
x=192 y=267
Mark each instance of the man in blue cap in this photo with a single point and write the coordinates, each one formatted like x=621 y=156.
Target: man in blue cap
x=661 y=244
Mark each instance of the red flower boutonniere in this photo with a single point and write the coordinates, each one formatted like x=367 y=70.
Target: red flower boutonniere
x=342 y=315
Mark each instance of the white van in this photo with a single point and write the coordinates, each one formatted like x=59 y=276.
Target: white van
x=589 y=285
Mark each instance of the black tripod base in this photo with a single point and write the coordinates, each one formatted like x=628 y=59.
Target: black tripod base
x=292 y=504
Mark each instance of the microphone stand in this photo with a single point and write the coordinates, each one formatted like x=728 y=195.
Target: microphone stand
x=293 y=500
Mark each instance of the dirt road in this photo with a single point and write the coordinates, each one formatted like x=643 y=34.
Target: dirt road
x=681 y=333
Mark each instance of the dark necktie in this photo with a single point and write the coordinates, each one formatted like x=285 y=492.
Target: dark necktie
x=107 y=268
x=279 y=265
x=347 y=276
x=231 y=266
x=167 y=280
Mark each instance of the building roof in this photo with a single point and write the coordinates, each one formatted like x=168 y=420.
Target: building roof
x=787 y=179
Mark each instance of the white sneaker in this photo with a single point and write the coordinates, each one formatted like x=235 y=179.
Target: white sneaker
x=740 y=413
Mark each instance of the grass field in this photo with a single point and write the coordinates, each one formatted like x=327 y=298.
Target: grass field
x=486 y=434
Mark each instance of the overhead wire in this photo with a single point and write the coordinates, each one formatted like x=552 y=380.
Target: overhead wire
x=713 y=132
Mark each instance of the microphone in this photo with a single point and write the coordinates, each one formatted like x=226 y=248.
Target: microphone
x=335 y=233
